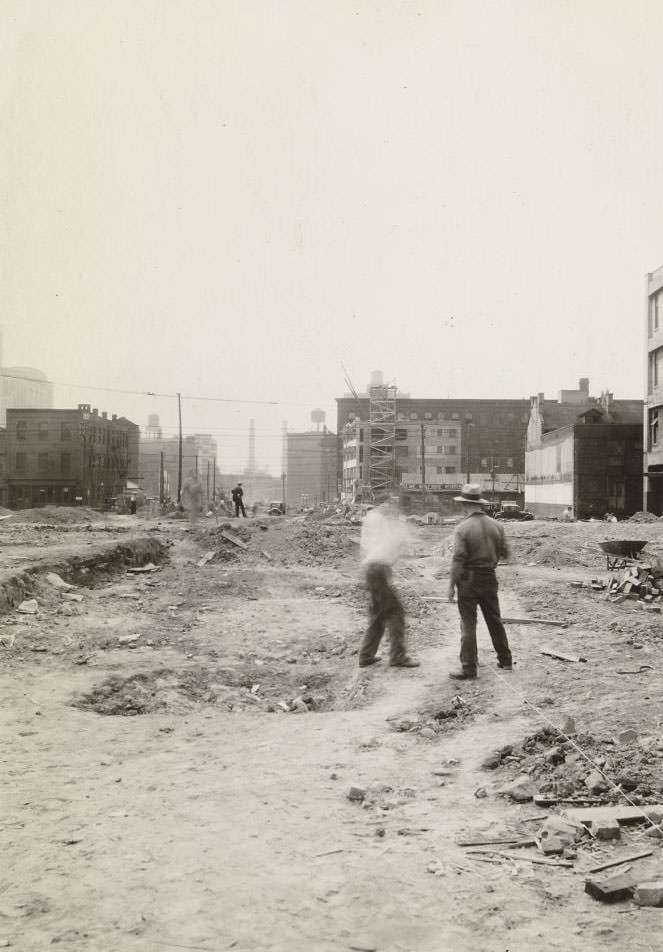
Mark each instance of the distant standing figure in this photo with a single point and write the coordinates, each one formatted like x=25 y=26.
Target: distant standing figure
x=479 y=544
x=238 y=492
x=132 y=505
x=192 y=497
x=383 y=539
x=568 y=514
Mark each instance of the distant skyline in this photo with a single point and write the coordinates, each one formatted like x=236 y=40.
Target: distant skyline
x=229 y=198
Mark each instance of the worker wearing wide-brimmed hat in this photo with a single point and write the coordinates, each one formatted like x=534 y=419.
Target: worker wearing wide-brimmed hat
x=479 y=544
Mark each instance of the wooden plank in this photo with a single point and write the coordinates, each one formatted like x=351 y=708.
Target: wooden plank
x=623 y=814
x=235 y=541
x=534 y=621
x=560 y=656
x=497 y=842
x=618 y=862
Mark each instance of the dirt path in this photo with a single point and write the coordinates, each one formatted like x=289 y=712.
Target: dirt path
x=198 y=826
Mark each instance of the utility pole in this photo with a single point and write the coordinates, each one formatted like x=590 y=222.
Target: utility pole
x=161 y=479
x=467 y=433
x=423 y=464
x=214 y=480
x=283 y=490
x=208 y=484
x=179 y=454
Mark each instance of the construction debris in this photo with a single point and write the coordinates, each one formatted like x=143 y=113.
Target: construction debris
x=562 y=657
x=612 y=888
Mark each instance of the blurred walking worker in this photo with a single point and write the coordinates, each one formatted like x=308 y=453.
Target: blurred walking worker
x=238 y=492
x=479 y=544
x=383 y=540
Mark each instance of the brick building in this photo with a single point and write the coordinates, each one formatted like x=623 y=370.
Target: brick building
x=584 y=452
x=474 y=440
x=311 y=468
x=68 y=457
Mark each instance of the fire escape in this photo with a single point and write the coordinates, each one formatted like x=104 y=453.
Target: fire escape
x=382 y=433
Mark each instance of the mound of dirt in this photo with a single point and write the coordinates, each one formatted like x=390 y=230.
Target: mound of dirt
x=55 y=515
x=643 y=517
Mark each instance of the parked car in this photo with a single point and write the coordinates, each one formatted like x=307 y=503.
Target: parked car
x=510 y=510
x=276 y=508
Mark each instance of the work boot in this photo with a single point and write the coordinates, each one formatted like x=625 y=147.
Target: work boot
x=505 y=665
x=369 y=661
x=462 y=675
x=405 y=662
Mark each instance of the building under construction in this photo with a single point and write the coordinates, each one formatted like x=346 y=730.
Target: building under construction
x=425 y=449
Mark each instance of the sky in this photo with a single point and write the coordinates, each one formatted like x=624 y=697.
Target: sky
x=233 y=200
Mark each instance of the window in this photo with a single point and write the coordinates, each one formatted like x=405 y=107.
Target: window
x=484 y=462
x=509 y=463
x=653 y=430
x=21 y=430
x=440 y=415
x=413 y=416
x=428 y=415
x=452 y=434
x=449 y=469
x=401 y=434
x=455 y=416
x=450 y=450
x=42 y=462
x=439 y=469
x=65 y=432
x=468 y=417
x=401 y=416
x=20 y=462
x=43 y=431
x=65 y=463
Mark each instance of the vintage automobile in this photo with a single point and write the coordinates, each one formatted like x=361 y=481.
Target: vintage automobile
x=276 y=508
x=511 y=510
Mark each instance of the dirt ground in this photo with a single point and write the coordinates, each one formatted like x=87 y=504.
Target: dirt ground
x=179 y=744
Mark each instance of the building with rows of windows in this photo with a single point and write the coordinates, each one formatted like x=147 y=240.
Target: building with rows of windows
x=438 y=445
x=67 y=457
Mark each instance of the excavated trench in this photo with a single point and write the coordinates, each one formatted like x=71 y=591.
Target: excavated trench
x=106 y=558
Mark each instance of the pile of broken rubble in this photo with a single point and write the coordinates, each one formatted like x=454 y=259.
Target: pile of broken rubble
x=601 y=786
x=557 y=767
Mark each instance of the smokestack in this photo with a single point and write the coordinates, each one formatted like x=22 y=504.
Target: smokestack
x=251 y=467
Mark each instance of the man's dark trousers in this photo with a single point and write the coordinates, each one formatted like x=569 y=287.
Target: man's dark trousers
x=239 y=505
x=479 y=587
x=385 y=609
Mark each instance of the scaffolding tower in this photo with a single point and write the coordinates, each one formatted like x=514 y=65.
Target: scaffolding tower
x=381 y=439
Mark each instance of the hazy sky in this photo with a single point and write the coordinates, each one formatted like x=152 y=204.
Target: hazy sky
x=228 y=199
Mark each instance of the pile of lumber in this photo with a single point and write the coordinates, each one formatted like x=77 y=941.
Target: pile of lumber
x=637 y=581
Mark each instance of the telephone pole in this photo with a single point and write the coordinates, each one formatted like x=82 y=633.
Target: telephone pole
x=179 y=454
x=423 y=464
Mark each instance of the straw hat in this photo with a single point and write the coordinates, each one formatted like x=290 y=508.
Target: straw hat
x=471 y=492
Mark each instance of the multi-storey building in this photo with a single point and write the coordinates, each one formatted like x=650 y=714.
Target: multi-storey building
x=159 y=461
x=311 y=460
x=438 y=445
x=68 y=457
x=584 y=453
x=653 y=458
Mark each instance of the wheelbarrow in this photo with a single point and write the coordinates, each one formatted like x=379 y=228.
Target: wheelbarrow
x=621 y=552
